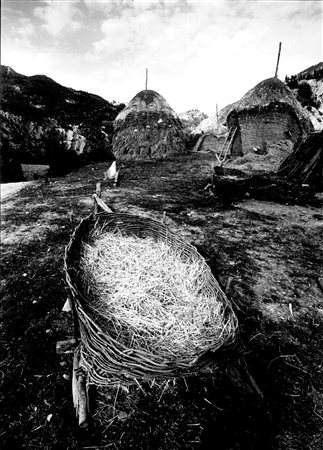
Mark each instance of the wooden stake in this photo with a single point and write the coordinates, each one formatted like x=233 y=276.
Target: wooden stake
x=99 y=202
x=116 y=179
x=80 y=399
x=280 y=46
x=251 y=379
x=146 y=78
x=97 y=194
x=217 y=113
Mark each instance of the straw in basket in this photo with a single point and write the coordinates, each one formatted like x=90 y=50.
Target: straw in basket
x=146 y=302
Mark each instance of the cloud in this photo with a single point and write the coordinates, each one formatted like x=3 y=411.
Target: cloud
x=199 y=53
x=58 y=17
x=25 y=28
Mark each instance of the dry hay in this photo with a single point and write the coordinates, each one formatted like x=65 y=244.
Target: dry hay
x=252 y=162
x=156 y=299
x=211 y=125
x=156 y=329
x=147 y=129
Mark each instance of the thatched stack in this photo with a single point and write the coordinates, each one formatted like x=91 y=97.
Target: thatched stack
x=268 y=93
x=266 y=114
x=147 y=129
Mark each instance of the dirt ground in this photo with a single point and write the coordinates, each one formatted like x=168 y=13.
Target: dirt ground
x=8 y=189
x=263 y=240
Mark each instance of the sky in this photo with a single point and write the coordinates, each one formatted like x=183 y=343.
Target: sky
x=198 y=53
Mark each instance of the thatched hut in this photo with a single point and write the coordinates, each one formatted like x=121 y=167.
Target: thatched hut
x=212 y=140
x=147 y=129
x=266 y=114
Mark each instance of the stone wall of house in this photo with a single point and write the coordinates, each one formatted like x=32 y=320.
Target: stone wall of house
x=212 y=143
x=265 y=127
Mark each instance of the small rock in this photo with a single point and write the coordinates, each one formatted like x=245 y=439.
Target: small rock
x=123 y=415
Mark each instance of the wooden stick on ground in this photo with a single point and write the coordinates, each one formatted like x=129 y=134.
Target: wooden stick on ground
x=97 y=194
x=80 y=399
x=251 y=379
x=99 y=202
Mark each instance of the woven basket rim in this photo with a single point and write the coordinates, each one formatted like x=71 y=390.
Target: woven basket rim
x=121 y=356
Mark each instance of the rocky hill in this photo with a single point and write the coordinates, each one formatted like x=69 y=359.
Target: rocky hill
x=43 y=122
x=191 y=119
x=308 y=88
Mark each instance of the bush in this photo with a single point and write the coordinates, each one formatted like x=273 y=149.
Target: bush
x=60 y=160
x=10 y=167
x=305 y=94
x=291 y=82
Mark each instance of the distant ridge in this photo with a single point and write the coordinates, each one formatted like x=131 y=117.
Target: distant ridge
x=312 y=72
x=39 y=96
x=43 y=122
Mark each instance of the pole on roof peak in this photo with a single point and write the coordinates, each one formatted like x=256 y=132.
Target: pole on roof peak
x=280 y=46
x=146 y=78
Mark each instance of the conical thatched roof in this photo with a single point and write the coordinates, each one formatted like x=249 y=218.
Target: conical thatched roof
x=271 y=92
x=211 y=125
x=146 y=101
x=147 y=128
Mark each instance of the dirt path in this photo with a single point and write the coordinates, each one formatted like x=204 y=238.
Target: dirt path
x=268 y=244
x=9 y=189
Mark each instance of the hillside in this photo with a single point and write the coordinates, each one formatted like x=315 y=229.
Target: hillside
x=315 y=71
x=41 y=120
x=39 y=97
x=307 y=85
x=191 y=119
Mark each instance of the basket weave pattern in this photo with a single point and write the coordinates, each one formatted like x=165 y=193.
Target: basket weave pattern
x=104 y=356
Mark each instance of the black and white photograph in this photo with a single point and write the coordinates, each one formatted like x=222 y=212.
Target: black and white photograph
x=161 y=251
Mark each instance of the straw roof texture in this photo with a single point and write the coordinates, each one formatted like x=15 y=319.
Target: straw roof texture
x=214 y=124
x=211 y=125
x=268 y=93
x=305 y=164
x=147 y=128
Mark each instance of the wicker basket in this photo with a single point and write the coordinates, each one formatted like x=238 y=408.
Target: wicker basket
x=103 y=356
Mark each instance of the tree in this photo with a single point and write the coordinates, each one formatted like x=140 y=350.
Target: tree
x=60 y=159
x=10 y=167
x=292 y=82
x=305 y=94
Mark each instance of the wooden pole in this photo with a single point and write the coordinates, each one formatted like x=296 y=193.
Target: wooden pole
x=217 y=113
x=98 y=195
x=146 y=78
x=79 y=393
x=280 y=46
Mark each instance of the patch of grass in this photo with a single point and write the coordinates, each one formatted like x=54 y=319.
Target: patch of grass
x=283 y=354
